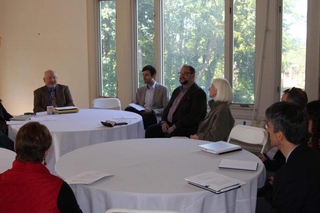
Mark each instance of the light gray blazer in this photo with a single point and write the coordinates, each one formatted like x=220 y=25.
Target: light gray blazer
x=160 y=98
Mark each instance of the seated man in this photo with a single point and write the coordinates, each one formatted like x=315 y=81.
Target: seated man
x=153 y=97
x=185 y=110
x=296 y=185
x=5 y=142
x=274 y=159
x=52 y=94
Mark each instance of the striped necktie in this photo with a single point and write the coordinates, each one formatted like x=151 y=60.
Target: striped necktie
x=53 y=98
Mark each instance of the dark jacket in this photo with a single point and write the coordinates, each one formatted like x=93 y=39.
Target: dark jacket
x=4 y=116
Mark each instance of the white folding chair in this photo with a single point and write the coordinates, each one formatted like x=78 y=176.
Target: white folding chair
x=137 y=211
x=106 y=103
x=249 y=135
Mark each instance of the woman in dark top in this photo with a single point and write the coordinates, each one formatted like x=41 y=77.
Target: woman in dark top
x=28 y=186
x=216 y=126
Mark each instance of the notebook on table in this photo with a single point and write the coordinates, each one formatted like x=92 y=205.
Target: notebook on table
x=219 y=147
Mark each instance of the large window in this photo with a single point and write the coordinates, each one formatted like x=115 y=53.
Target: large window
x=108 y=79
x=294 y=32
x=145 y=37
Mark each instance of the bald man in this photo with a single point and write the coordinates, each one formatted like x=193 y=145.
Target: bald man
x=51 y=94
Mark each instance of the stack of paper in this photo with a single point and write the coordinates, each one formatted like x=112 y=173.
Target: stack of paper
x=67 y=109
x=86 y=177
x=238 y=164
x=219 y=147
x=214 y=182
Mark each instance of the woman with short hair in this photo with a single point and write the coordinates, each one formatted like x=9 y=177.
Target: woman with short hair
x=218 y=123
x=28 y=186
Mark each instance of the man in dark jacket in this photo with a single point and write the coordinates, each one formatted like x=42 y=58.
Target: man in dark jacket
x=5 y=142
x=186 y=109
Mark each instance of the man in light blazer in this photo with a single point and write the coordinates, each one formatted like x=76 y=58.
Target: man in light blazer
x=52 y=94
x=296 y=185
x=153 y=97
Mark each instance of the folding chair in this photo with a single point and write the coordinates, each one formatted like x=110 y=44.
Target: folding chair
x=106 y=103
x=249 y=135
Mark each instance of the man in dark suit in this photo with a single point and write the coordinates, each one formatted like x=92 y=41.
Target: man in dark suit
x=153 y=97
x=296 y=185
x=186 y=108
x=52 y=94
x=5 y=142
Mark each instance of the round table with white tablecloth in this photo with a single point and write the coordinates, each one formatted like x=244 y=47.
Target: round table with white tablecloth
x=75 y=130
x=149 y=174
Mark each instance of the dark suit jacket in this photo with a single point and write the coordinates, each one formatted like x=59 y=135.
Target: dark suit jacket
x=42 y=100
x=4 y=116
x=296 y=185
x=190 y=112
x=274 y=164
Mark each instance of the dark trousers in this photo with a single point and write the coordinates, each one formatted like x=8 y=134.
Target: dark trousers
x=6 y=142
x=155 y=131
x=148 y=119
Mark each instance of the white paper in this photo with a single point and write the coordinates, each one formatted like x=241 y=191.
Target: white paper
x=16 y=122
x=137 y=107
x=238 y=164
x=86 y=177
x=215 y=181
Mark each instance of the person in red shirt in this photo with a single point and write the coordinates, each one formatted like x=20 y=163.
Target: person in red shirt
x=28 y=187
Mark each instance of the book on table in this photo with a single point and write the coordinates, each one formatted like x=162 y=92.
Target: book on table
x=66 y=109
x=214 y=182
x=219 y=147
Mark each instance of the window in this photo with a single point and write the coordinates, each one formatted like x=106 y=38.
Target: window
x=145 y=29
x=108 y=48
x=294 y=32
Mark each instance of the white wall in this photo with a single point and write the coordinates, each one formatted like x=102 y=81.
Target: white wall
x=40 y=35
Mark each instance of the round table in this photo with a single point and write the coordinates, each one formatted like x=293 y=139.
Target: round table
x=75 y=130
x=149 y=174
x=6 y=159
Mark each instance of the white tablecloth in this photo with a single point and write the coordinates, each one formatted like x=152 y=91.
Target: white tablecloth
x=75 y=130
x=149 y=174
x=6 y=159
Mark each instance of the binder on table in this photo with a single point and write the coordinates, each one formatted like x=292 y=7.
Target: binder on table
x=219 y=147
x=214 y=182
x=238 y=164
x=67 y=109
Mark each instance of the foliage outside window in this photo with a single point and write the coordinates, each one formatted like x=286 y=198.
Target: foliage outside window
x=294 y=32
x=108 y=48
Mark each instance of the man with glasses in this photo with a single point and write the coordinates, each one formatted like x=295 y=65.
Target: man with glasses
x=51 y=94
x=296 y=185
x=186 y=108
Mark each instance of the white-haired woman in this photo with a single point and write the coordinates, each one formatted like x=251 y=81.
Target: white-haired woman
x=219 y=121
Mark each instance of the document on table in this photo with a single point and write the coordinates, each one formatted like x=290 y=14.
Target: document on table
x=137 y=107
x=238 y=164
x=86 y=177
x=214 y=182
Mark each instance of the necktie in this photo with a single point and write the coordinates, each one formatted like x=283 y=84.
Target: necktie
x=53 y=98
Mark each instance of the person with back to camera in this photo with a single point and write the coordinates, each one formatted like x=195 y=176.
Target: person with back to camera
x=218 y=123
x=313 y=111
x=51 y=94
x=185 y=110
x=296 y=185
x=28 y=187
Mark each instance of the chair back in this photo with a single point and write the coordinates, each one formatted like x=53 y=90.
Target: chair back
x=249 y=135
x=137 y=211
x=106 y=103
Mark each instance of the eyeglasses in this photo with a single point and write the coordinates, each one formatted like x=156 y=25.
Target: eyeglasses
x=265 y=126
x=184 y=73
